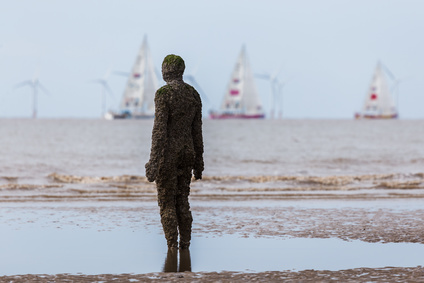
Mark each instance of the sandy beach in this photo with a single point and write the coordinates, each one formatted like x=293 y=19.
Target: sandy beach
x=388 y=274
x=127 y=203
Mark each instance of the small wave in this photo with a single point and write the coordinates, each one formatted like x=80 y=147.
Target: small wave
x=323 y=180
x=264 y=187
x=345 y=160
x=419 y=175
x=256 y=161
x=119 y=190
x=27 y=187
x=380 y=180
x=314 y=183
x=132 y=187
x=94 y=180
x=417 y=184
x=417 y=160
x=9 y=178
x=287 y=189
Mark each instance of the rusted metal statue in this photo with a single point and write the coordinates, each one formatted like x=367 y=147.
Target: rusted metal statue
x=177 y=150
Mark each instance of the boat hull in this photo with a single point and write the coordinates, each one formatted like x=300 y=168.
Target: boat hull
x=376 y=117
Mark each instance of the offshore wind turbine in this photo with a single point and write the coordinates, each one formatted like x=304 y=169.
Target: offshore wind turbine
x=280 y=96
x=395 y=84
x=395 y=90
x=35 y=84
x=276 y=89
x=192 y=80
x=105 y=89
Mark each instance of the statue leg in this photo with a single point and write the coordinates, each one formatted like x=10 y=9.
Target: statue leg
x=184 y=216
x=167 y=203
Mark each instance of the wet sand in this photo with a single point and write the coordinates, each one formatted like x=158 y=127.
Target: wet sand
x=369 y=215
x=365 y=224
x=370 y=223
x=387 y=274
x=367 y=221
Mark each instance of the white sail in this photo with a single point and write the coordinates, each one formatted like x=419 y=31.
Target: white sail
x=379 y=102
x=241 y=96
x=138 y=97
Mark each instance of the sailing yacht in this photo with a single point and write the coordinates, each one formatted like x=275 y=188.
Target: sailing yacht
x=138 y=99
x=241 y=100
x=379 y=103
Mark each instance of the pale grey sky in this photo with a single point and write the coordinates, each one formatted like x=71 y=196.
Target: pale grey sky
x=327 y=49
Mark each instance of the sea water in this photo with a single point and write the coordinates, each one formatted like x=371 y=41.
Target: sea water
x=33 y=149
x=269 y=159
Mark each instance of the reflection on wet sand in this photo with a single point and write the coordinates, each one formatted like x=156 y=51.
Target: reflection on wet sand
x=171 y=261
x=82 y=243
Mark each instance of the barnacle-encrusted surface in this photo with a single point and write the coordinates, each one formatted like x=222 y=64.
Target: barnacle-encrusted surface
x=177 y=149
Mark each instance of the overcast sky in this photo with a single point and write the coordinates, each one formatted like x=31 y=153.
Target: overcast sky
x=327 y=50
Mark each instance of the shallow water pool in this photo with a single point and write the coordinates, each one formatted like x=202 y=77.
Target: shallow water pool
x=89 y=251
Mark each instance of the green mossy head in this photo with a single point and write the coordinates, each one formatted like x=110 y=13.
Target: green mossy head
x=173 y=67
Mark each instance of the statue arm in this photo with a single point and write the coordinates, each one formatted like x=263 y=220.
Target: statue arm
x=159 y=136
x=198 y=142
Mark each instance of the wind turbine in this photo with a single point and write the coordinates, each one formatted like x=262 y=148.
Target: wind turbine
x=276 y=88
x=190 y=77
x=395 y=87
x=35 y=84
x=280 y=87
x=193 y=82
x=105 y=89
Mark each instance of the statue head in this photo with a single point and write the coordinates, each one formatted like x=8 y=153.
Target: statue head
x=173 y=68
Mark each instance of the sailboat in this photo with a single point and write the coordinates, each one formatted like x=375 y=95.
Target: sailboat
x=241 y=100
x=138 y=99
x=379 y=103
